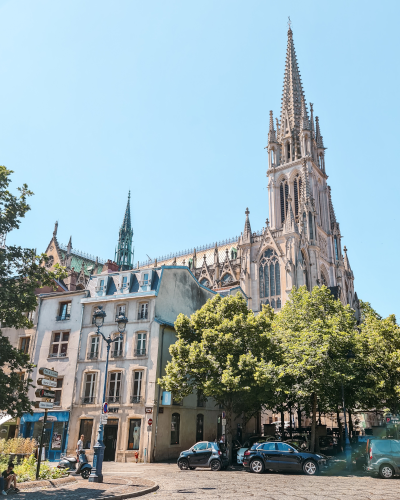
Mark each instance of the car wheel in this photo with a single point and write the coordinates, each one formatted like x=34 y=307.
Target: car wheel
x=386 y=471
x=257 y=466
x=215 y=465
x=85 y=474
x=192 y=468
x=183 y=464
x=310 y=468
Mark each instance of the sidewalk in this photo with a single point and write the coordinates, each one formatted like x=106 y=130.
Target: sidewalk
x=113 y=488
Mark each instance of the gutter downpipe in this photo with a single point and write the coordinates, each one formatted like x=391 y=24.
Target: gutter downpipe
x=158 y=397
x=75 y=381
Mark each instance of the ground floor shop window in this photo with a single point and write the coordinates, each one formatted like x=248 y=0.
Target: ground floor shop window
x=175 y=423
x=57 y=436
x=86 y=429
x=199 y=427
x=134 y=434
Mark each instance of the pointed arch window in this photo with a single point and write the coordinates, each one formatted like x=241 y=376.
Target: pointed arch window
x=205 y=282
x=284 y=192
x=310 y=223
x=336 y=248
x=270 y=277
x=297 y=193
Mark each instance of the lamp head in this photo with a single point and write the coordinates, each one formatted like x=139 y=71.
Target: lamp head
x=99 y=316
x=121 y=322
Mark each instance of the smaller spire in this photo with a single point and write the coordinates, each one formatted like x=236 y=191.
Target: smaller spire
x=267 y=222
x=318 y=136
x=331 y=209
x=305 y=122
x=312 y=119
x=346 y=260
x=69 y=246
x=247 y=227
x=55 y=229
x=290 y=225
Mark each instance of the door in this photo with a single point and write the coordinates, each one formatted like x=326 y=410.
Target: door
x=110 y=442
x=201 y=452
x=270 y=455
x=287 y=457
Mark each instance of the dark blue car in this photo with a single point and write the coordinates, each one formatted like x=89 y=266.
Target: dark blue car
x=276 y=455
x=203 y=454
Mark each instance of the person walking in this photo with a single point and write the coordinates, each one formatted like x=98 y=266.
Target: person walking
x=79 y=446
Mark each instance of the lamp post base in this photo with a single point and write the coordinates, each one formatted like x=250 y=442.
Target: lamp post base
x=96 y=476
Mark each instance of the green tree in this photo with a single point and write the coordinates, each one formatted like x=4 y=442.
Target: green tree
x=315 y=333
x=227 y=353
x=21 y=273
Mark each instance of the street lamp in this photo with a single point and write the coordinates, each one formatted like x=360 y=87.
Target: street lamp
x=96 y=475
x=350 y=355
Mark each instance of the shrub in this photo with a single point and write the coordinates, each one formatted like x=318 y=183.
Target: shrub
x=21 y=446
x=26 y=470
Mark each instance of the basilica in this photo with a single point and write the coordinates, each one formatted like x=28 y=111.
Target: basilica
x=300 y=243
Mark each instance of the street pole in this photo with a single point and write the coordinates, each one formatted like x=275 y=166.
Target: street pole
x=41 y=444
x=347 y=447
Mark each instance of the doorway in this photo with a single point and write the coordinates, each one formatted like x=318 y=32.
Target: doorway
x=110 y=440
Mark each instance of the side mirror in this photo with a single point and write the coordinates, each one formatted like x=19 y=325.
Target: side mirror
x=291 y=450
x=194 y=451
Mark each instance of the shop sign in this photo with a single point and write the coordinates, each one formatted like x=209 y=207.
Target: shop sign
x=48 y=373
x=47 y=382
x=50 y=418
x=148 y=409
x=45 y=393
x=166 y=398
x=44 y=405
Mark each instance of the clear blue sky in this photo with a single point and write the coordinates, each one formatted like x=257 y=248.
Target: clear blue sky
x=171 y=98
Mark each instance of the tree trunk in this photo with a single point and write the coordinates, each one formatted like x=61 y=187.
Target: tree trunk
x=299 y=415
x=340 y=443
x=350 y=425
x=314 y=422
x=228 y=435
x=283 y=425
x=290 y=423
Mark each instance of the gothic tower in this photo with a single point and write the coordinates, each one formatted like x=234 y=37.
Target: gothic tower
x=124 y=251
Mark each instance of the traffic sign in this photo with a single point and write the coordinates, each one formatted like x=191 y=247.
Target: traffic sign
x=104 y=418
x=105 y=407
x=44 y=404
x=47 y=382
x=150 y=421
x=47 y=372
x=45 y=393
x=224 y=421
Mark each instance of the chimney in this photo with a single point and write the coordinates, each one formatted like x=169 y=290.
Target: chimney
x=70 y=281
x=110 y=267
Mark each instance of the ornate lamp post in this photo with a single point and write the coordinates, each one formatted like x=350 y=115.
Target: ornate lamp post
x=96 y=475
x=350 y=355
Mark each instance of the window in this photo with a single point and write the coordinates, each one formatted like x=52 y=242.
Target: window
x=143 y=310
x=93 y=352
x=267 y=447
x=226 y=278
x=114 y=387
x=59 y=345
x=324 y=280
x=310 y=223
x=175 y=424
x=64 y=311
x=336 y=248
x=288 y=151
x=145 y=279
x=284 y=192
x=24 y=344
x=137 y=387
x=297 y=193
x=58 y=391
x=284 y=447
x=86 y=428
x=134 y=434
x=141 y=344
x=124 y=281
x=205 y=282
x=89 y=389
x=201 y=400
x=199 y=427
x=200 y=446
x=270 y=278
x=118 y=346
x=233 y=253
x=121 y=310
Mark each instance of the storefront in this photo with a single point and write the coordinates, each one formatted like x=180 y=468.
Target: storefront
x=56 y=431
x=8 y=427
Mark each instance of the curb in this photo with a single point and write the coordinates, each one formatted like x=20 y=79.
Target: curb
x=132 y=495
x=46 y=483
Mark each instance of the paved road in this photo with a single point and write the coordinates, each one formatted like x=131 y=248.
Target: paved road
x=241 y=485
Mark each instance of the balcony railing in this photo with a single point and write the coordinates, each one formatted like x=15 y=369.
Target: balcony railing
x=88 y=400
x=118 y=315
x=143 y=315
x=93 y=355
x=140 y=352
x=117 y=353
x=136 y=399
x=63 y=317
x=113 y=399
x=57 y=355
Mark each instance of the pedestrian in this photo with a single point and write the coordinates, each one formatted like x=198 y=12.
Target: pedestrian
x=79 y=446
x=10 y=478
x=2 y=486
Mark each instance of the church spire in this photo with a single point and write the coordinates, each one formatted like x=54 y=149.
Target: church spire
x=124 y=252
x=292 y=94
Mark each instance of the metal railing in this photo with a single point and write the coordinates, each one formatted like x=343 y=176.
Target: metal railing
x=57 y=355
x=82 y=254
x=136 y=399
x=143 y=315
x=140 y=352
x=92 y=355
x=88 y=400
x=63 y=317
x=113 y=399
x=117 y=353
x=118 y=315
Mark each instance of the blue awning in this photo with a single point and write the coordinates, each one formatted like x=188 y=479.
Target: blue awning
x=59 y=416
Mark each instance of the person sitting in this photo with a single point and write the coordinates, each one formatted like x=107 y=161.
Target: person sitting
x=2 y=486
x=10 y=478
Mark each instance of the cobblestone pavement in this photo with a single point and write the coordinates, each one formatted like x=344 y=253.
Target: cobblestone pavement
x=83 y=490
x=240 y=485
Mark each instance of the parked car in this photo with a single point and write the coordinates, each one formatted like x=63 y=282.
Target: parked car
x=383 y=457
x=203 y=454
x=249 y=443
x=275 y=455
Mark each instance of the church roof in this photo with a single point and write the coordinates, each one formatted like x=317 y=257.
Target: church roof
x=78 y=258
